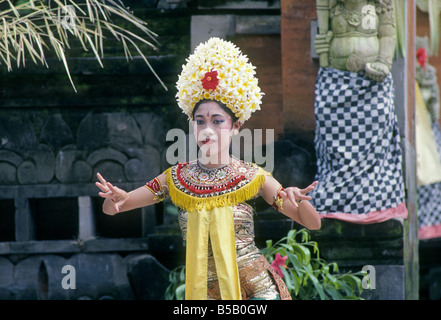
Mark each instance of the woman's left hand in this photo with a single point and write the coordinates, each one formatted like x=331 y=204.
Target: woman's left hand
x=295 y=194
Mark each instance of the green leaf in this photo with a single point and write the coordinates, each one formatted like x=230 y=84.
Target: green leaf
x=287 y=247
x=333 y=293
x=346 y=287
x=315 y=282
x=269 y=243
x=287 y=279
x=292 y=257
x=305 y=235
x=334 y=266
x=304 y=252
x=182 y=274
x=296 y=281
x=333 y=280
x=180 y=292
x=352 y=298
x=291 y=234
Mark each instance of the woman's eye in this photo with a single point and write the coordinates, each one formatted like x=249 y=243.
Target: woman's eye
x=199 y=122
x=218 y=121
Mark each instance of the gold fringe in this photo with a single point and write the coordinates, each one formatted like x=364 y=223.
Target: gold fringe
x=191 y=204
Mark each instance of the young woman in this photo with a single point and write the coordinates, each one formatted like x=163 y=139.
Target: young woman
x=222 y=261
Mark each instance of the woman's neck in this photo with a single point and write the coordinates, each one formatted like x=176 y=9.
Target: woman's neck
x=210 y=163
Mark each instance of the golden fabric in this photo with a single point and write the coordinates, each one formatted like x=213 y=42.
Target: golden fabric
x=257 y=279
x=217 y=225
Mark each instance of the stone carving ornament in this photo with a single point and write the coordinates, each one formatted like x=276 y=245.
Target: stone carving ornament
x=356 y=35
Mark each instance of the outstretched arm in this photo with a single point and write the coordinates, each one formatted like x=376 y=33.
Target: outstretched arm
x=118 y=200
x=292 y=202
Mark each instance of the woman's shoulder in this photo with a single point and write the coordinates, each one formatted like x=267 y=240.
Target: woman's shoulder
x=236 y=165
x=193 y=175
x=193 y=186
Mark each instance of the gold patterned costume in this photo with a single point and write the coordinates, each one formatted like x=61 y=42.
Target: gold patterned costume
x=222 y=260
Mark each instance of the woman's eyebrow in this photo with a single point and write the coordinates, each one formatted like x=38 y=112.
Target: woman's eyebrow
x=213 y=115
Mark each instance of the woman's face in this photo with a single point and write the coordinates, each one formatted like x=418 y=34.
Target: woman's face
x=213 y=129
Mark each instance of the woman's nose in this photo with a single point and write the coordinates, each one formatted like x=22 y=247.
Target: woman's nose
x=207 y=131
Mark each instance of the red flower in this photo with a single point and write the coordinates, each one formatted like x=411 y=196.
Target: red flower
x=422 y=57
x=210 y=80
x=278 y=262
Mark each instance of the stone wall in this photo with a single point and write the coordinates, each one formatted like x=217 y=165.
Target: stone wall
x=49 y=150
x=53 y=141
x=49 y=277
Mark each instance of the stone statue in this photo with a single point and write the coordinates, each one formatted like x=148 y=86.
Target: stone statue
x=356 y=35
x=357 y=138
x=425 y=75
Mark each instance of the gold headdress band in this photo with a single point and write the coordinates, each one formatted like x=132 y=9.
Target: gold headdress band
x=217 y=70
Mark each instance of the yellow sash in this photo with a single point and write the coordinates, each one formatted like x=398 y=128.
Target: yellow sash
x=211 y=219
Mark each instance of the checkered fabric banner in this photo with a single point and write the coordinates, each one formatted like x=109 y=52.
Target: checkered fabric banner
x=429 y=196
x=429 y=204
x=437 y=136
x=357 y=144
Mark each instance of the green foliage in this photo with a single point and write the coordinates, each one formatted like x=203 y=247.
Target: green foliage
x=176 y=288
x=307 y=276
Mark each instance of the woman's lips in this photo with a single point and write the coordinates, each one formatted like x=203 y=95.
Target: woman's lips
x=207 y=139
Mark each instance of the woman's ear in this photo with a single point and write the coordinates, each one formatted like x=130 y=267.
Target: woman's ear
x=236 y=128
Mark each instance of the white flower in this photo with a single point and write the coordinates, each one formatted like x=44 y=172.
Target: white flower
x=237 y=87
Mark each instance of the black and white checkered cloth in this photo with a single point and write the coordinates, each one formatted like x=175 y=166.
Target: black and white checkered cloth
x=429 y=196
x=437 y=136
x=357 y=144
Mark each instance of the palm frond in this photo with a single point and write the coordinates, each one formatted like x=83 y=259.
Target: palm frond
x=29 y=28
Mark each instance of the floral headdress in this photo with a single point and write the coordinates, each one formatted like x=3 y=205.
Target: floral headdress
x=217 y=70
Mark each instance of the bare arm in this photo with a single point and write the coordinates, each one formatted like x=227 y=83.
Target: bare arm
x=118 y=200
x=301 y=210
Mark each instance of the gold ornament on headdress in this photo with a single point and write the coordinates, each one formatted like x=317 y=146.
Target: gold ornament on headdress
x=217 y=70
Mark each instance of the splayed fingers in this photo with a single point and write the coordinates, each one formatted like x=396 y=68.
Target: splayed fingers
x=109 y=191
x=103 y=185
x=296 y=195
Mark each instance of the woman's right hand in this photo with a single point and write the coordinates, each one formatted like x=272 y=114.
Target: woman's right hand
x=115 y=197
